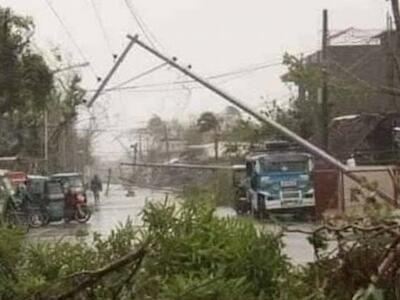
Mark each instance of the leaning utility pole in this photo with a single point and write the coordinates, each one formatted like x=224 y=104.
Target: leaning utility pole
x=324 y=82
x=260 y=117
x=112 y=71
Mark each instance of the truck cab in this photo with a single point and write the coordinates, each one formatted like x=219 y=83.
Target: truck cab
x=280 y=181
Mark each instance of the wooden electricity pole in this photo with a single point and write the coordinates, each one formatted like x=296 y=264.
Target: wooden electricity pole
x=46 y=140
x=166 y=138
x=324 y=83
x=108 y=181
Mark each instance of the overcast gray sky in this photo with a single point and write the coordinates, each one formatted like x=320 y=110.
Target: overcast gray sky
x=214 y=36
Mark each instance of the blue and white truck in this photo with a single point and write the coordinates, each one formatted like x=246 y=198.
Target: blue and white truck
x=279 y=180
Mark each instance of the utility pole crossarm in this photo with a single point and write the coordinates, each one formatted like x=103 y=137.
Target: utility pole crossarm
x=282 y=129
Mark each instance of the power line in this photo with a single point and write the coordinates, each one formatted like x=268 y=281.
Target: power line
x=136 y=77
x=102 y=28
x=68 y=32
x=218 y=76
x=140 y=23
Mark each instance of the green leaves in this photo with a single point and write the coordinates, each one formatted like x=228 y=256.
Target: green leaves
x=207 y=122
x=191 y=254
x=201 y=256
x=25 y=78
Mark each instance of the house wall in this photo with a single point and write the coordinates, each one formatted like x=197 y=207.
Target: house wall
x=363 y=66
x=336 y=193
x=375 y=175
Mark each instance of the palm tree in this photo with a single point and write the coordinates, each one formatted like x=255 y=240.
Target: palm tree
x=208 y=122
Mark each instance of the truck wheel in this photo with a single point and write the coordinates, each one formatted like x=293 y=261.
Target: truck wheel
x=261 y=214
x=253 y=210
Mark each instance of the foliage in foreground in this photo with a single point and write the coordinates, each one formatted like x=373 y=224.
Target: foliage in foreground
x=184 y=251
x=357 y=258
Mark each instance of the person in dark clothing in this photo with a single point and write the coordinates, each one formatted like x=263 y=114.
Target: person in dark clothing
x=96 y=186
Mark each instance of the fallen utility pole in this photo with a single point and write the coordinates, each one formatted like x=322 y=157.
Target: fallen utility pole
x=183 y=166
x=112 y=71
x=151 y=187
x=282 y=129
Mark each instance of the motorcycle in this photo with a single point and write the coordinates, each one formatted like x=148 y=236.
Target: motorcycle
x=76 y=208
x=18 y=216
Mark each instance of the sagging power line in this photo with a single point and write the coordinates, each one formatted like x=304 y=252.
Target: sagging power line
x=70 y=36
x=241 y=71
x=138 y=76
x=142 y=25
x=102 y=28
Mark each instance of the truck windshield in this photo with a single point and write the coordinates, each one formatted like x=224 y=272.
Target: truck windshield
x=267 y=166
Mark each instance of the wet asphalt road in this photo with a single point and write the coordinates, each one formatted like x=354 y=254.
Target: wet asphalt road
x=117 y=208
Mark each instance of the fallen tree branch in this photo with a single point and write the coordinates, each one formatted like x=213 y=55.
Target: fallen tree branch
x=389 y=263
x=129 y=278
x=90 y=278
x=381 y=228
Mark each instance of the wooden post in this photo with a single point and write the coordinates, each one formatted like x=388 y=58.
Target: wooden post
x=324 y=83
x=108 y=181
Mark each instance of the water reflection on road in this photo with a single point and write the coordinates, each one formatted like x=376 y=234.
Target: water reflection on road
x=117 y=208
x=112 y=211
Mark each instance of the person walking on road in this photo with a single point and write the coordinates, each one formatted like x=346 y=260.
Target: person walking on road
x=96 y=186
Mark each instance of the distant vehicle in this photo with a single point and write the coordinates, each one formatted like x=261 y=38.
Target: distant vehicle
x=48 y=197
x=75 y=197
x=279 y=180
x=35 y=185
x=6 y=189
x=73 y=181
x=54 y=199
x=17 y=209
x=17 y=177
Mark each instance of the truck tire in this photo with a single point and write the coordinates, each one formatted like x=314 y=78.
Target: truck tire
x=261 y=212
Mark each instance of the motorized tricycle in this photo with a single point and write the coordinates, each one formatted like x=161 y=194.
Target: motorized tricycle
x=20 y=211
x=57 y=200
x=76 y=207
